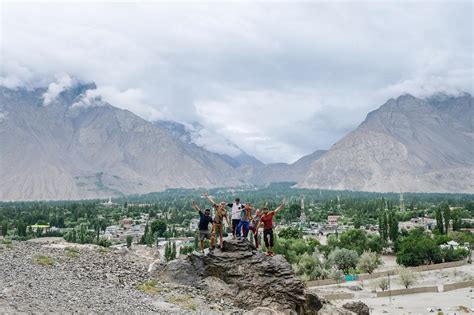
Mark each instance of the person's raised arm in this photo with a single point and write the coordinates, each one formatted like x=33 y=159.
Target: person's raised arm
x=281 y=206
x=205 y=194
x=195 y=206
x=252 y=208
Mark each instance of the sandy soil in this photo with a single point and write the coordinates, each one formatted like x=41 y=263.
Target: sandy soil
x=449 y=302
x=453 y=302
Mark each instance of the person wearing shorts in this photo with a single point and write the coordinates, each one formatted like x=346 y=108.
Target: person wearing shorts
x=204 y=220
x=267 y=222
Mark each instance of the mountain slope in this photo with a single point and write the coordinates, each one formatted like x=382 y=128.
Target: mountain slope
x=408 y=143
x=188 y=136
x=283 y=172
x=63 y=151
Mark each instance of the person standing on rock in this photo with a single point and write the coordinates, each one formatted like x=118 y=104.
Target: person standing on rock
x=235 y=215
x=245 y=217
x=218 y=225
x=267 y=222
x=254 y=226
x=204 y=220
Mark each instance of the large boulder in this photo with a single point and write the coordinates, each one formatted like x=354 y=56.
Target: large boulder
x=246 y=276
x=357 y=307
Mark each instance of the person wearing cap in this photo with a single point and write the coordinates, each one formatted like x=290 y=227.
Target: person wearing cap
x=204 y=220
x=236 y=207
x=218 y=225
x=267 y=222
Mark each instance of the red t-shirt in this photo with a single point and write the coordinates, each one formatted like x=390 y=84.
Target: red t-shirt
x=268 y=220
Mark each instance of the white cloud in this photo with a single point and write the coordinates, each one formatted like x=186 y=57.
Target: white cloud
x=55 y=88
x=278 y=79
x=214 y=142
x=131 y=99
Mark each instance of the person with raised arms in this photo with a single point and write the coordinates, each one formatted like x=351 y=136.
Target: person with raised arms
x=204 y=220
x=236 y=207
x=254 y=226
x=267 y=222
x=244 y=225
x=219 y=217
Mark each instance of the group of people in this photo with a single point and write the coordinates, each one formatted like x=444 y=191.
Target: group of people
x=243 y=221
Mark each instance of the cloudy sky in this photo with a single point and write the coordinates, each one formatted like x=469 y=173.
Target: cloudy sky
x=279 y=79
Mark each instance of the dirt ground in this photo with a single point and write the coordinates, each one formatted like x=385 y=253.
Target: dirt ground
x=453 y=302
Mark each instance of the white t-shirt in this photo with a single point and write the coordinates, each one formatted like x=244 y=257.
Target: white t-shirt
x=236 y=209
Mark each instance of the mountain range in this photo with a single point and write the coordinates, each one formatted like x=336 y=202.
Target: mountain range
x=77 y=147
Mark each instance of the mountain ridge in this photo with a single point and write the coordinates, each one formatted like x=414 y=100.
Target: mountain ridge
x=79 y=147
x=60 y=151
x=408 y=143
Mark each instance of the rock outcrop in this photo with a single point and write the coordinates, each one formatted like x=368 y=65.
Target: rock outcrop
x=357 y=307
x=246 y=277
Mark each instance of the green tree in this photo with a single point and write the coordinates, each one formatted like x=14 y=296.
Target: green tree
x=418 y=248
x=145 y=234
x=375 y=243
x=196 y=241
x=383 y=225
x=439 y=221
x=4 y=228
x=382 y=283
x=129 y=241
x=407 y=277
x=294 y=212
x=309 y=267
x=21 y=228
x=290 y=233
x=158 y=227
x=393 y=226
x=170 y=251
x=446 y=216
x=344 y=259
x=369 y=261
x=173 y=251
x=355 y=239
x=457 y=220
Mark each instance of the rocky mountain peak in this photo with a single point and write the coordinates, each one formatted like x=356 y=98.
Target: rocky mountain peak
x=409 y=143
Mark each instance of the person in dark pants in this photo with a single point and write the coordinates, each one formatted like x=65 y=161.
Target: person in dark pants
x=204 y=220
x=235 y=215
x=267 y=222
x=244 y=225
